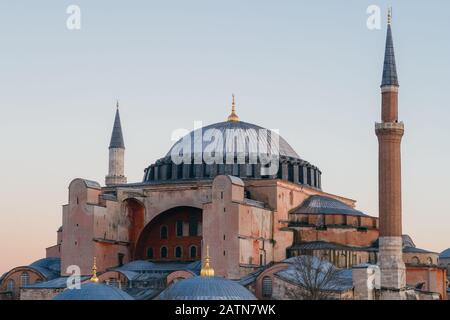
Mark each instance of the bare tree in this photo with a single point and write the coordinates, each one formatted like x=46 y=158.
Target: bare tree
x=315 y=278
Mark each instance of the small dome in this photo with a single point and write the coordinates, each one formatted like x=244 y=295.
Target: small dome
x=445 y=254
x=93 y=291
x=325 y=205
x=138 y=265
x=206 y=288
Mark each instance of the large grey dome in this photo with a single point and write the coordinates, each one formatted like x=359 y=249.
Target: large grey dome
x=206 y=288
x=246 y=138
x=233 y=148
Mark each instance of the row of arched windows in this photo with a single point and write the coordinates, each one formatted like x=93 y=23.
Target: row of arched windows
x=416 y=260
x=192 y=229
x=177 y=253
x=24 y=281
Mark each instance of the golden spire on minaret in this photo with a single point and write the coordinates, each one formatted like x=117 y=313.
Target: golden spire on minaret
x=206 y=270
x=94 y=271
x=390 y=15
x=233 y=117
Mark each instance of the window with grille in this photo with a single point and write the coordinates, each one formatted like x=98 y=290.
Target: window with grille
x=267 y=287
x=24 y=279
x=179 y=228
x=10 y=286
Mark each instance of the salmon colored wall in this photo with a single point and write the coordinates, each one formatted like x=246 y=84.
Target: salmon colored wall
x=434 y=278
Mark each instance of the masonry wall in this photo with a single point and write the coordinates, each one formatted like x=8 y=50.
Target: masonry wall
x=38 y=294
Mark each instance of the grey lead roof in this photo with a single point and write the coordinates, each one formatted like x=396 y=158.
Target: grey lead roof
x=389 y=69
x=57 y=283
x=117 y=137
x=206 y=288
x=246 y=137
x=93 y=291
x=138 y=266
x=445 y=254
x=48 y=267
x=325 y=205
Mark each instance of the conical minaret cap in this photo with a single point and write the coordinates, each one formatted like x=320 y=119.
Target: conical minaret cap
x=117 y=136
x=390 y=77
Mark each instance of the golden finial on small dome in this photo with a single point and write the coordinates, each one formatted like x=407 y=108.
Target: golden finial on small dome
x=94 y=271
x=233 y=117
x=390 y=15
x=206 y=270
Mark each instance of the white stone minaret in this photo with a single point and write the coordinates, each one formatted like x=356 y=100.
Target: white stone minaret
x=116 y=173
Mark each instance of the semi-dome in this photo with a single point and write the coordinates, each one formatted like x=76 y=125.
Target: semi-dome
x=233 y=148
x=445 y=254
x=93 y=291
x=206 y=288
x=48 y=267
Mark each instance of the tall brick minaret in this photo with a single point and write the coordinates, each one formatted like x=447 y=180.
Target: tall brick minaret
x=116 y=154
x=390 y=132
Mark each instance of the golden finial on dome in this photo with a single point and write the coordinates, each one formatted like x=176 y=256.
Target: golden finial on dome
x=94 y=271
x=206 y=270
x=233 y=117
x=390 y=15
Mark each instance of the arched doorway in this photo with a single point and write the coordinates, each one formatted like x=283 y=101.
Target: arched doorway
x=135 y=215
x=171 y=235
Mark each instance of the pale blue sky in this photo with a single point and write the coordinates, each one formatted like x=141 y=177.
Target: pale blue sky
x=310 y=69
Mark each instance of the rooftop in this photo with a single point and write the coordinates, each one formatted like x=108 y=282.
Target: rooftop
x=206 y=288
x=325 y=205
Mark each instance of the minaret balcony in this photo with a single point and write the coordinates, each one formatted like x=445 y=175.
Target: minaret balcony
x=390 y=128
x=389 y=125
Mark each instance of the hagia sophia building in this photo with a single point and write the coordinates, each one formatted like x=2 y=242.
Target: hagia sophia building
x=232 y=230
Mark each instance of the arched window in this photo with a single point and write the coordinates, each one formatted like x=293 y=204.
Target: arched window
x=415 y=260
x=429 y=260
x=150 y=253
x=267 y=287
x=24 y=279
x=164 y=232
x=193 y=252
x=178 y=252
x=10 y=285
x=163 y=252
